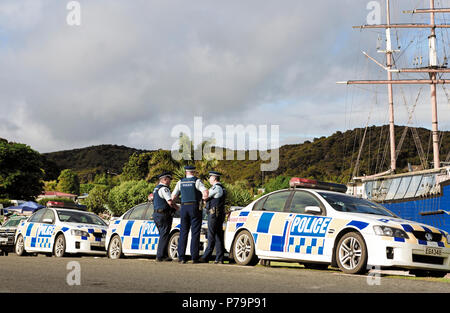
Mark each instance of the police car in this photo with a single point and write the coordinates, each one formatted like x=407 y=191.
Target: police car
x=317 y=224
x=60 y=231
x=135 y=233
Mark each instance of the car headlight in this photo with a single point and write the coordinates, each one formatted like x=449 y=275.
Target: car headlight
x=448 y=239
x=77 y=232
x=390 y=231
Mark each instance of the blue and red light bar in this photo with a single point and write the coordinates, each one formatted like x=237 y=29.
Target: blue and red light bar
x=297 y=182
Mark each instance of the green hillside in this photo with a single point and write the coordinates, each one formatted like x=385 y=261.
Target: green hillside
x=328 y=158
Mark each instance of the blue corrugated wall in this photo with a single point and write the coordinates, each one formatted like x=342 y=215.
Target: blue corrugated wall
x=410 y=210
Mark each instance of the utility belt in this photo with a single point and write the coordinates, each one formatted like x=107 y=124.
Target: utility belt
x=169 y=211
x=188 y=203
x=214 y=211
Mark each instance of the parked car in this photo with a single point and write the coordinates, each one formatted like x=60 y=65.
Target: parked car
x=316 y=226
x=61 y=231
x=135 y=233
x=8 y=232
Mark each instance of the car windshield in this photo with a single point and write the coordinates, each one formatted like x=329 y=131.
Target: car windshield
x=344 y=203
x=12 y=222
x=79 y=217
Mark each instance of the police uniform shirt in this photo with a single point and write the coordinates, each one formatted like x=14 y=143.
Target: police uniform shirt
x=164 y=193
x=198 y=185
x=215 y=191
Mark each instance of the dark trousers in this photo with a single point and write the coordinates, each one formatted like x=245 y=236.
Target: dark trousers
x=215 y=236
x=191 y=218
x=164 y=224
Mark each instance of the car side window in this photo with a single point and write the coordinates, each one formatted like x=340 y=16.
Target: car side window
x=48 y=214
x=149 y=213
x=301 y=200
x=36 y=218
x=276 y=202
x=138 y=212
x=258 y=206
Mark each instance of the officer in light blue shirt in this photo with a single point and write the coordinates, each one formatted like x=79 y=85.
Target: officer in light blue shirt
x=192 y=191
x=162 y=214
x=215 y=207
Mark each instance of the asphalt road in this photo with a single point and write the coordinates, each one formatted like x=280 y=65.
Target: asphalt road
x=136 y=275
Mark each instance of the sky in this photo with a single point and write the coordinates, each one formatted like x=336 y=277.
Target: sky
x=133 y=71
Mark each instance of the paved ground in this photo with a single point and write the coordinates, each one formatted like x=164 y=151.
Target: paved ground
x=135 y=275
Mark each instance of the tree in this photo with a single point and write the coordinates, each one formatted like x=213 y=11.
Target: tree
x=98 y=199
x=68 y=182
x=137 y=166
x=21 y=171
x=128 y=194
x=277 y=183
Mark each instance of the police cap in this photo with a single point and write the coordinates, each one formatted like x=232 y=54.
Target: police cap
x=214 y=173
x=189 y=168
x=165 y=174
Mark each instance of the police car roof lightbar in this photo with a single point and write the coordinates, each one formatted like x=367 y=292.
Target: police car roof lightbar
x=65 y=205
x=297 y=182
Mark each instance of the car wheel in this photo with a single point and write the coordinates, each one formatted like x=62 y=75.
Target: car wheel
x=19 y=248
x=351 y=254
x=115 y=248
x=172 y=247
x=59 y=248
x=244 y=249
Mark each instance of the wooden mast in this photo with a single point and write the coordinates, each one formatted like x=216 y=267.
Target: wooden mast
x=433 y=69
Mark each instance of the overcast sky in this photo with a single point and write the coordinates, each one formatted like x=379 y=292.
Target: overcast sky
x=133 y=70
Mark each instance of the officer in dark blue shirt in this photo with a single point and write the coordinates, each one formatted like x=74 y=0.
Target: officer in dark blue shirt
x=163 y=208
x=192 y=191
x=215 y=207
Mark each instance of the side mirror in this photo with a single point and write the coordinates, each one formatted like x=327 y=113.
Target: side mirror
x=313 y=210
x=47 y=221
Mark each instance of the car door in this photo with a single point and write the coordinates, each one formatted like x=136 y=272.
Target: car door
x=307 y=228
x=45 y=231
x=149 y=235
x=30 y=231
x=269 y=219
x=133 y=228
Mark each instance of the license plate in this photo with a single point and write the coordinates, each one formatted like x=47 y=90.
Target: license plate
x=3 y=240
x=433 y=251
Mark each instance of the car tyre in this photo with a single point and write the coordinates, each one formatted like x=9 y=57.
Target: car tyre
x=19 y=247
x=59 y=248
x=351 y=254
x=172 y=247
x=244 y=249
x=115 y=248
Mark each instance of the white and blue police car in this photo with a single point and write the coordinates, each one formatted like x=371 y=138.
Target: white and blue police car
x=317 y=224
x=60 y=231
x=135 y=233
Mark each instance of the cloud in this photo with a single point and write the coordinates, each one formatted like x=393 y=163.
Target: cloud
x=133 y=70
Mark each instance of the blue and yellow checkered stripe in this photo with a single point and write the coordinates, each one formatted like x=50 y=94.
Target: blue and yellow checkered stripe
x=306 y=245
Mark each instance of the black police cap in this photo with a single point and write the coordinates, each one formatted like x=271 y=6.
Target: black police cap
x=214 y=173
x=165 y=174
x=189 y=168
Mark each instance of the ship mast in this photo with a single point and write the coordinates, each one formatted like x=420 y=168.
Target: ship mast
x=433 y=69
x=389 y=53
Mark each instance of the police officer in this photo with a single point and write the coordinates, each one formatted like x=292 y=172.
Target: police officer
x=215 y=207
x=164 y=206
x=192 y=191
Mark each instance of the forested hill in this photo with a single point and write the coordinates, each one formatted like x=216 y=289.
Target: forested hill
x=93 y=160
x=328 y=158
